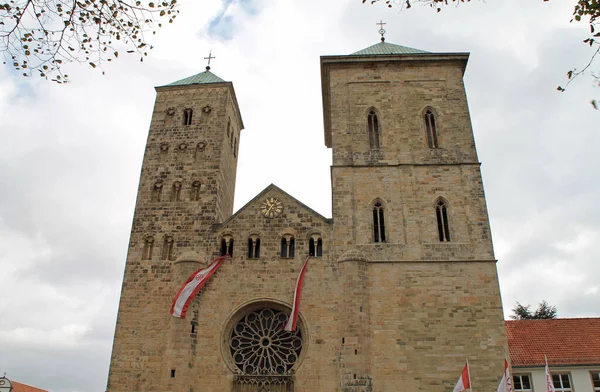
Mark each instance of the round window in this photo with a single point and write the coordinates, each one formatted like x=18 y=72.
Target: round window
x=260 y=346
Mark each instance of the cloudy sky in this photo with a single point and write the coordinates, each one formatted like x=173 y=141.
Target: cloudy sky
x=70 y=156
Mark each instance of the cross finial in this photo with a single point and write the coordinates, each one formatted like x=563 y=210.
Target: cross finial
x=381 y=29
x=210 y=57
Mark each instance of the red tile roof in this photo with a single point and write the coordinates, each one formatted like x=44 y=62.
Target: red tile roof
x=567 y=341
x=18 y=387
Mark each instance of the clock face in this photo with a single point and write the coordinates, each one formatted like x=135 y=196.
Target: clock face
x=271 y=207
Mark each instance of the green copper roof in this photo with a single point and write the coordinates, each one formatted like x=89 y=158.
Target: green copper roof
x=383 y=48
x=205 y=77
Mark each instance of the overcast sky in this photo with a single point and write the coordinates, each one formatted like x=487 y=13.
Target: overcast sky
x=70 y=156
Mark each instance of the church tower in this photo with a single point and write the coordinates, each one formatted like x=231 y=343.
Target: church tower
x=187 y=185
x=401 y=286
x=415 y=249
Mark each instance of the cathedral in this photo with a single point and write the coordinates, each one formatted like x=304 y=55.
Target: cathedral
x=401 y=287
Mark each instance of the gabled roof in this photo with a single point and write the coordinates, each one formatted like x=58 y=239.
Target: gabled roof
x=278 y=189
x=18 y=387
x=567 y=341
x=205 y=77
x=387 y=48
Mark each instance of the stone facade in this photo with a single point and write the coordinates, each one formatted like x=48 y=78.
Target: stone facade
x=399 y=314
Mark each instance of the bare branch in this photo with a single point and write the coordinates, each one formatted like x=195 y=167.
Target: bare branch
x=43 y=35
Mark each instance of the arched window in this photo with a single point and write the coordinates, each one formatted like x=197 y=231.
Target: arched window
x=199 y=149
x=176 y=191
x=429 y=118
x=148 y=248
x=156 y=191
x=167 y=250
x=315 y=246
x=373 y=129
x=378 y=222
x=253 y=247
x=227 y=246
x=287 y=246
x=195 y=191
x=187 y=116
x=441 y=213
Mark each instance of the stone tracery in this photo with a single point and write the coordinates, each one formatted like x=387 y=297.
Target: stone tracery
x=259 y=345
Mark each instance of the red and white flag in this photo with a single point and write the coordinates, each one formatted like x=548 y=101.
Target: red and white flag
x=290 y=326
x=464 y=382
x=549 y=383
x=506 y=382
x=192 y=285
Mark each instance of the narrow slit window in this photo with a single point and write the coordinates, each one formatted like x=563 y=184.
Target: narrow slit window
x=378 y=222
x=167 y=252
x=257 y=248
x=195 y=192
x=230 y=248
x=176 y=191
x=432 y=139
x=187 y=116
x=223 y=251
x=441 y=213
x=373 y=124
x=235 y=147
x=156 y=192
x=284 y=247
x=148 y=248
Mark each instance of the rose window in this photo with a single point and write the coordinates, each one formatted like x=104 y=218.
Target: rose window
x=260 y=346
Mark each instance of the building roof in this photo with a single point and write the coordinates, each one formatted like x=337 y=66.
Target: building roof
x=384 y=48
x=258 y=197
x=567 y=341
x=18 y=387
x=205 y=77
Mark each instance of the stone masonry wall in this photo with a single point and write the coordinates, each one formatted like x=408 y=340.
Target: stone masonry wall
x=400 y=315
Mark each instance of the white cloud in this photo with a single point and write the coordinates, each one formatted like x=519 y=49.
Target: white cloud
x=70 y=156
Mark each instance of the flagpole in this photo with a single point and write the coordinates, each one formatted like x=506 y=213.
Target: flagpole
x=469 y=373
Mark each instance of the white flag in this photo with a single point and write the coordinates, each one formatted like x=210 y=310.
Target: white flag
x=549 y=383
x=290 y=326
x=464 y=382
x=192 y=285
x=506 y=382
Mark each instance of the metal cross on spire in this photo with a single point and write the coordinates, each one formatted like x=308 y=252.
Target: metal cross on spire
x=209 y=58
x=381 y=29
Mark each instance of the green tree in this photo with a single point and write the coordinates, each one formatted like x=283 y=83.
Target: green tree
x=587 y=11
x=523 y=312
x=39 y=36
